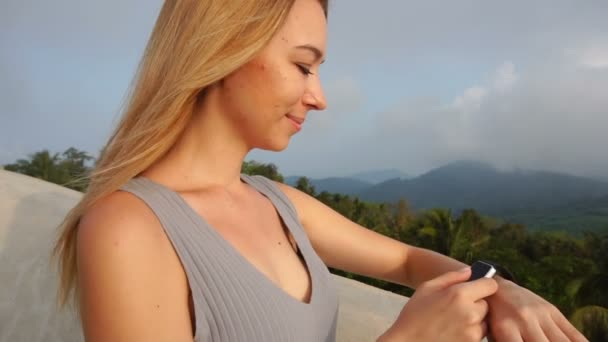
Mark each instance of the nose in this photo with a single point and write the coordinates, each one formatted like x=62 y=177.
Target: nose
x=314 y=96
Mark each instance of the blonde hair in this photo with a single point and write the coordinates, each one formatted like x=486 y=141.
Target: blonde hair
x=193 y=44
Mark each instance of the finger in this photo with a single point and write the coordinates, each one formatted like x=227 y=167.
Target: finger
x=482 y=308
x=477 y=289
x=511 y=337
x=448 y=279
x=478 y=331
x=505 y=332
x=476 y=315
x=484 y=329
x=567 y=328
x=534 y=333
x=553 y=332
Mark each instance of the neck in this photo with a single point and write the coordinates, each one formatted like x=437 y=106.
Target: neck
x=208 y=154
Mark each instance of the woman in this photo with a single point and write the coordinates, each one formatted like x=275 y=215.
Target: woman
x=172 y=243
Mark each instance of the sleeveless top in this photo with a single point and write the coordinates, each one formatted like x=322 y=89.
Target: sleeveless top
x=233 y=300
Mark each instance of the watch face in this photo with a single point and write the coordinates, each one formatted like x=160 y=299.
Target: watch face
x=480 y=269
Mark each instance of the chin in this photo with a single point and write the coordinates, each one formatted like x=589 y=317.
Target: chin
x=276 y=145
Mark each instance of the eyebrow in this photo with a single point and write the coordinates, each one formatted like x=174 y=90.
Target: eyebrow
x=318 y=54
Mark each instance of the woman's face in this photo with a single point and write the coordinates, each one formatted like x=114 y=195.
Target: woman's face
x=265 y=98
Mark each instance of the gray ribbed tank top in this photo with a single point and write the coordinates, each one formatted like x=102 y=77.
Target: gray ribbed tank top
x=233 y=300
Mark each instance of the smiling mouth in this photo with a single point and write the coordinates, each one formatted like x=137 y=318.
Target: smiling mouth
x=297 y=122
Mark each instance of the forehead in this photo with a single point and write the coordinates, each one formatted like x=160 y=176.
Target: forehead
x=305 y=24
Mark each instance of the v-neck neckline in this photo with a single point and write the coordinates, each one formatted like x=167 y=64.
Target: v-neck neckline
x=200 y=220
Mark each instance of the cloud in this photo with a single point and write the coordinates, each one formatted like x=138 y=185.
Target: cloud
x=410 y=85
x=65 y=67
x=595 y=57
x=471 y=99
x=344 y=98
x=553 y=118
x=505 y=76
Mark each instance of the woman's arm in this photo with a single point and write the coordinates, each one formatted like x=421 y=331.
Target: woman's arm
x=348 y=246
x=515 y=312
x=132 y=286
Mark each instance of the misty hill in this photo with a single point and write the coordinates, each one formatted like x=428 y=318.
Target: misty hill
x=379 y=176
x=576 y=217
x=527 y=195
x=538 y=199
x=351 y=185
x=347 y=186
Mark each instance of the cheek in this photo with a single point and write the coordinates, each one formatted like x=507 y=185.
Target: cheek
x=239 y=93
x=263 y=90
x=276 y=83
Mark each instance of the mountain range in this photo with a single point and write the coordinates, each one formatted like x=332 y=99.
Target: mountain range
x=354 y=184
x=540 y=199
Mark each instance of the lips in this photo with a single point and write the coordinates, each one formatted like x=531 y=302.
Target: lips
x=298 y=120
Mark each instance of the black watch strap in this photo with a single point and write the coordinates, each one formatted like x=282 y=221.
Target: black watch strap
x=502 y=271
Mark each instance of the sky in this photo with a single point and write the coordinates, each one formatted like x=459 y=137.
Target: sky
x=411 y=85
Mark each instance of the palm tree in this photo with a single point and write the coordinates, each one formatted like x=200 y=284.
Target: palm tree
x=460 y=238
x=438 y=226
x=591 y=290
x=592 y=321
x=74 y=161
x=64 y=171
x=41 y=165
x=306 y=186
x=472 y=235
x=270 y=170
x=589 y=294
x=46 y=166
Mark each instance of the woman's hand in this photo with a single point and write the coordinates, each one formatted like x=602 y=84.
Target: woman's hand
x=517 y=314
x=446 y=308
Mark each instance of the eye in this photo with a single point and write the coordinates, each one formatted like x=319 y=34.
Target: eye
x=304 y=70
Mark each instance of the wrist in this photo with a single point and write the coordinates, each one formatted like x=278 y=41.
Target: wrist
x=501 y=280
x=393 y=336
x=501 y=271
x=503 y=287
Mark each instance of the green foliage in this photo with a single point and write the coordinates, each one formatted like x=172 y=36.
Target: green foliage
x=592 y=321
x=569 y=272
x=270 y=171
x=576 y=218
x=593 y=290
x=65 y=169
x=306 y=186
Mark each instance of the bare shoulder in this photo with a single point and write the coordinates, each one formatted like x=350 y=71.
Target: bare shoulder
x=131 y=283
x=314 y=214
x=121 y=217
x=306 y=206
x=296 y=196
x=347 y=245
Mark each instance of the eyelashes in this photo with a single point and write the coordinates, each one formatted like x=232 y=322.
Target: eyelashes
x=304 y=70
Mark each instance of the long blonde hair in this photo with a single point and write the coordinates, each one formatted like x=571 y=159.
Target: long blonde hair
x=194 y=44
